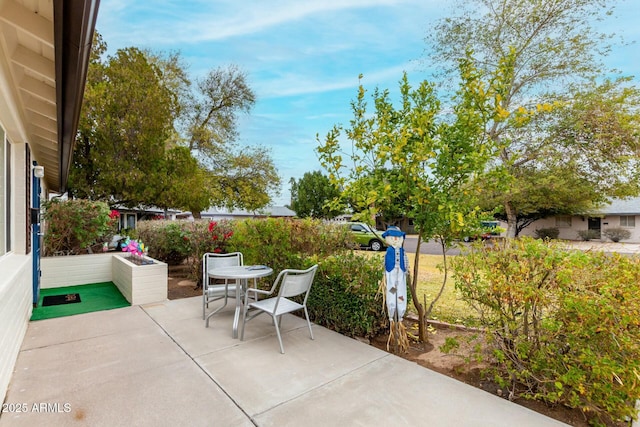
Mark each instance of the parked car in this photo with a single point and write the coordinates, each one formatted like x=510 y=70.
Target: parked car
x=366 y=236
x=491 y=231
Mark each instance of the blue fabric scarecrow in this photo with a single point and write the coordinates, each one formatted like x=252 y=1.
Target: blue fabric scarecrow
x=395 y=265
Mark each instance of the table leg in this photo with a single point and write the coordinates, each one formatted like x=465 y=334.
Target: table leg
x=236 y=316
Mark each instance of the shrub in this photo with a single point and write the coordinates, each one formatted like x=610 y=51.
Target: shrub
x=588 y=234
x=75 y=226
x=564 y=325
x=344 y=295
x=174 y=242
x=547 y=233
x=616 y=234
x=166 y=240
x=285 y=243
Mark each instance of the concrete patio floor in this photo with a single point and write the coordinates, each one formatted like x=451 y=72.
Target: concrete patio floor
x=157 y=365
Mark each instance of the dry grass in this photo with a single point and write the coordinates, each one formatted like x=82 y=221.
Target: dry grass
x=449 y=308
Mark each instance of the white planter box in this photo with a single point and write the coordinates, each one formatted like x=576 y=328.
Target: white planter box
x=59 y=271
x=140 y=284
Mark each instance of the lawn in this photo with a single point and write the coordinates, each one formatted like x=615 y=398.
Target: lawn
x=450 y=308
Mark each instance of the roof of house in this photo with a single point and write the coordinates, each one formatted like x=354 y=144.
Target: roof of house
x=622 y=207
x=277 y=211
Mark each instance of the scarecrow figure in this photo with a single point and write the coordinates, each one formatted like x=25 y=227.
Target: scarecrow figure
x=396 y=268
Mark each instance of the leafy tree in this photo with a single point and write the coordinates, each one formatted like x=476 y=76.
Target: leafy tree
x=182 y=174
x=120 y=149
x=434 y=157
x=553 y=117
x=244 y=179
x=207 y=124
x=146 y=139
x=211 y=112
x=310 y=194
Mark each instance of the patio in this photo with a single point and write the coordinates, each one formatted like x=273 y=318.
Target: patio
x=157 y=364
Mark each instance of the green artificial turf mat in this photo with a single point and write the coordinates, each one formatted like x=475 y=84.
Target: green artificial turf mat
x=94 y=297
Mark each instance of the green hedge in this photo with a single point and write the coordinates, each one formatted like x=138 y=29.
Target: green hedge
x=343 y=296
x=287 y=243
x=564 y=325
x=174 y=242
x=74 y=227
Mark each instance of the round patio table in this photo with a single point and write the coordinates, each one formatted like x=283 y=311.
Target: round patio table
x=241 y=273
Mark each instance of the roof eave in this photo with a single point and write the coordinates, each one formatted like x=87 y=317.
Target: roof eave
x=74 y=24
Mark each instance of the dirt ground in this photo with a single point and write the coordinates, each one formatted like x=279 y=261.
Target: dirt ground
x=460 y=365
x=179 y=285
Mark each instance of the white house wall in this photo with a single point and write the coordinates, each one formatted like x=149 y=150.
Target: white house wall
x=94 y=268
x=613 y=221
x=567 y=233
x=15 y=311
x=579 y=223
x=15 y=270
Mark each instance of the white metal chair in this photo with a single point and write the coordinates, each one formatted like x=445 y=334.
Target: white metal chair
x=292 y=283
x=212 y=291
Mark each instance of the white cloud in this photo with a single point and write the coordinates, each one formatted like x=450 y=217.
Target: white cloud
x=188 y=22
x=256 y=16
x=294 y=85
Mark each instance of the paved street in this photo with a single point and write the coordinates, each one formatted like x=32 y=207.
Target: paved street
x=430 y=248
x=434 y=248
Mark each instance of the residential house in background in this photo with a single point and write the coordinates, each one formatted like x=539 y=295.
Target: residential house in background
x=129 y=217
x=618 y=214
x=44 y=54
x=218 y=214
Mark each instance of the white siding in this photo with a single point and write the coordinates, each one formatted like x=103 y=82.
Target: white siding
x=15 y=311
x=140 y=284
x=75 y=270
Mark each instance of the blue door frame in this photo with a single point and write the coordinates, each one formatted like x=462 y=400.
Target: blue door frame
x=35 y=234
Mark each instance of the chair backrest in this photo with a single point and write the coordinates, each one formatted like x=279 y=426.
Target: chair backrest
x=211 y=260
x=297 y=282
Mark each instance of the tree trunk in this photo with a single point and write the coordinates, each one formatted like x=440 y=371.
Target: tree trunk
x=444 y=280
x=512 y=220
x=422 y=324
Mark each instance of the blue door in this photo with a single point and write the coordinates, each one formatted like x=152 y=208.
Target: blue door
x=35 y=235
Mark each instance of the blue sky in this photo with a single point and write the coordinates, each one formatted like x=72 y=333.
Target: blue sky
x=303 y=57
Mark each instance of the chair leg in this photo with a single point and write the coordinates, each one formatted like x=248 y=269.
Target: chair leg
x=204 y=302
x=205 y=298
x=308 y=321
x=275 y=322
x=214 y=312
x=245 y=309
